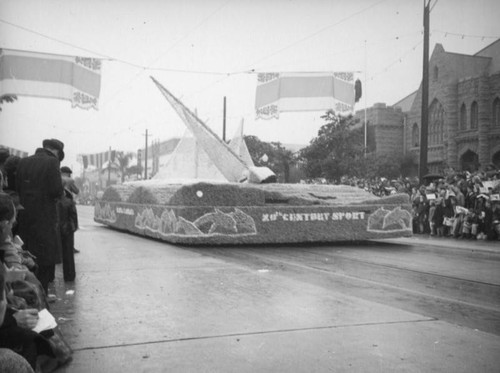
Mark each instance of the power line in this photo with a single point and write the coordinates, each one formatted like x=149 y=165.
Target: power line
x=316 y=33
x=399 y=59
x=295 y=43
x=114 y=59
x=206 y=72
x=203 y=21
x=482 y=37
x=53 y=39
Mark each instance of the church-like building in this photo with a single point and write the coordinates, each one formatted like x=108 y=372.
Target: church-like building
x=464 y=113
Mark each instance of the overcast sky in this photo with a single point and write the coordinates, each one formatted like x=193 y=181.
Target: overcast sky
x=207 y=49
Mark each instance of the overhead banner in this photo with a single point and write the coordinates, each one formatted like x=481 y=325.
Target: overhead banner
x=285 y=92
x=73 y=78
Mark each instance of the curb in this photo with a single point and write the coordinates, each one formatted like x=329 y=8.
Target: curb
x=449 y=242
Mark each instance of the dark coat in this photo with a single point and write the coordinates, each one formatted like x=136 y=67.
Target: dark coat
x=39 y=186
x=68 y=217
x=438 y=215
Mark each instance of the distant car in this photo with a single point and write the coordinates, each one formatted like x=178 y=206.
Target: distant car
x=429 y=178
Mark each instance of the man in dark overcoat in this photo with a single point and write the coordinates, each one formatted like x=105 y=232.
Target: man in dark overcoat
x=68 y=222
x=40 y=186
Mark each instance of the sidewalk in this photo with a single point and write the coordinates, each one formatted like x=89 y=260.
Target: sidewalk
x=448 y=242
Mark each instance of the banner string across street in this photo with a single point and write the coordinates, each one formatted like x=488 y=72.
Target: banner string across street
x=78 y=80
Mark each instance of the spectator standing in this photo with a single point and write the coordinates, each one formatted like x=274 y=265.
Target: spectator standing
x=10 y=168
x=470 y=197
x=438 y=217
x=422 y=210
x=10 y=171
x=4 y=154
x=69 y=184
x=432 y=210
x=39 y=186
x=68 y=225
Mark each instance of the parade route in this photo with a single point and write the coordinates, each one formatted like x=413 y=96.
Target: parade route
x=141 y=305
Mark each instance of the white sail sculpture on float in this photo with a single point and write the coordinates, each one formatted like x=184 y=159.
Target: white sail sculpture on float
x=189 y=161
x=224 y=157
x=239 y=146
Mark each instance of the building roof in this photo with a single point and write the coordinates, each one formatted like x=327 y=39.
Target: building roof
x=406 y=103
x=456 y=66
x=492 y=51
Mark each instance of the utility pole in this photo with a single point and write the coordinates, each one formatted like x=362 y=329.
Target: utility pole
x=366 y=124
x=224 y=122
x=146 y=157
x=425 y=98
x=109 y=167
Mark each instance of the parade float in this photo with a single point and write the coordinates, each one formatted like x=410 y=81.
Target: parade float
x=229 y=201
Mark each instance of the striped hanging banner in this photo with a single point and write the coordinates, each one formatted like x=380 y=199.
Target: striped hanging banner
x=284 y=92
x=77 y=79
x=96 y=160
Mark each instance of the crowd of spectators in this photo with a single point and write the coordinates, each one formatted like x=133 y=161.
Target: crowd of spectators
x=37 y=223
x=462 y=205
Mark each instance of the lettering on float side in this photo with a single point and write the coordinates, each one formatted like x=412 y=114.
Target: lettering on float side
x=312 y=216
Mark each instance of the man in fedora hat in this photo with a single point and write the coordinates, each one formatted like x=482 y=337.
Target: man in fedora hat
x=39 y=185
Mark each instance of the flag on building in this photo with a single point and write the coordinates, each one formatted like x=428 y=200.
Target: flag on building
x=284 y=92
x=73 y=78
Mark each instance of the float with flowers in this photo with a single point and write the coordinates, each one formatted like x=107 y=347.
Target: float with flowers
x=226 y=200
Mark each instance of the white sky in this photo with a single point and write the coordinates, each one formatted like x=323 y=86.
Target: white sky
x=380 y=38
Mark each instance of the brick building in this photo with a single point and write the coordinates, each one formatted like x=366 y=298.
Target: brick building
x=464 y=113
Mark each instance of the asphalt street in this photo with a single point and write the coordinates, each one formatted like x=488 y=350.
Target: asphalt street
x=403 y=305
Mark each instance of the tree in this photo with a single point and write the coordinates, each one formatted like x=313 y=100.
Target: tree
x=7 y=98
x=134 y=170
x=337 y=150
x=271 y=154
x=123 y=161
x=382 y=165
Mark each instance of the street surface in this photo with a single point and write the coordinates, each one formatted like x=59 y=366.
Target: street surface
x=402 y=305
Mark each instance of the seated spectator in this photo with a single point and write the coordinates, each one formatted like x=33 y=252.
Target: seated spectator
x=25 y=299
x=9 y=360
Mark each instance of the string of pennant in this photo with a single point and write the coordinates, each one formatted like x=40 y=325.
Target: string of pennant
x=225 y=75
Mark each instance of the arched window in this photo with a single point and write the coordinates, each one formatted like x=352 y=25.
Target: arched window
x=435 y=73
x=496 y=112
x=415 y=135
x=463 y=117
x=436 y=123
x=473 y=115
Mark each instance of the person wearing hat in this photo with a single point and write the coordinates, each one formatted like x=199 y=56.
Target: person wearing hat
x=39 y=185
x=68 y=224
x=68 y=182
x=69 y=185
